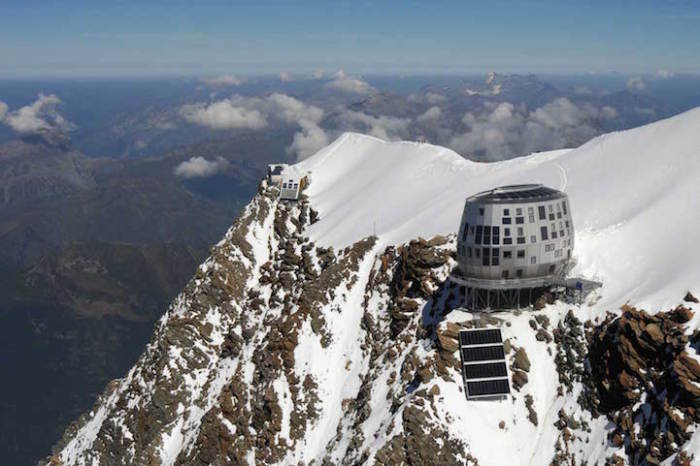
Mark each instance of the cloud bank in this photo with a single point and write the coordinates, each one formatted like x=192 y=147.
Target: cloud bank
x=40 y=116
x=430 y=115
x=256 y=112
x=199 y=167
x=223 y=115
x=221 y=81
x=349 y=84
x=505 y=130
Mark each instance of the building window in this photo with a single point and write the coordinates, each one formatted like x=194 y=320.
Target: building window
x=533 y=238
x=566 y=222
x=284 y=185
x=558 y=214
x=520 y=231
x=531 y=214
x=519 y=273
x=506 y=220
x=520 y=220
x=487 y=234
x=533 y=259
x=561 y=233
x=469 y=251
x=518 y=211
x=521 y=240
x=506 y=212
x=543 y=233
x=554 y=235
x=506 y=232
x=477 y=237
x=495 y=232
x=563 y=206
x=551 y=268
x=481 y=211
x=507 y=254
x=551 y=216
x=507 y=240
x=542 y=213
x=504 y=274
x=495 y=255
x=486 y=259
x=466 y=231
x=521 y=254
x=477 y=252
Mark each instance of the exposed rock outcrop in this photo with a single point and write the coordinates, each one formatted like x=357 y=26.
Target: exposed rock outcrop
x=647 y=383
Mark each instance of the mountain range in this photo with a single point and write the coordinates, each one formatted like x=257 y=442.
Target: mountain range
x=324 y=331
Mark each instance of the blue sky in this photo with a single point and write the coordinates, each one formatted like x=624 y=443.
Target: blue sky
x=76 y=37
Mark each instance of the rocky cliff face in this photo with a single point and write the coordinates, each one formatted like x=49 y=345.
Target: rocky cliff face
x=280 y=351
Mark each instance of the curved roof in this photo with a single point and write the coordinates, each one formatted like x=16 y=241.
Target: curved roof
x=517 y=193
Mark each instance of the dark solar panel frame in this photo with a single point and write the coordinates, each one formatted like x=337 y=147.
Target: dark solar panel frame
x=483 y=379
x=485 y=371
x=483 y=353
x=480 y=336
x=488 y=387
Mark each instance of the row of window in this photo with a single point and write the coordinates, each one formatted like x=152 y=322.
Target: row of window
x=488 y=234
x=543 y=212
x=290 y=185
x=484 y=253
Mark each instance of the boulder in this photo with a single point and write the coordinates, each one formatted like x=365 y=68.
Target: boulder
x=521 y=361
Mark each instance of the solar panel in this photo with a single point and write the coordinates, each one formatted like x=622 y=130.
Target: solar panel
x=482 y=353
x=485 y=371
x=483 y=363
x=488 y=387
x=480 y=336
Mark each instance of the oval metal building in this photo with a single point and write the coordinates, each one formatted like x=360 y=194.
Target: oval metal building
x=513 y=240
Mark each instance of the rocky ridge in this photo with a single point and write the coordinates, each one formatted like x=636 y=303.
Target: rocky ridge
x=280 y=351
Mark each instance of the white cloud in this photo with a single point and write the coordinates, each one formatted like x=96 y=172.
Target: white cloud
x=286 y=77
x=257 y=112
x=223 y=115
x=318 y=74
x=225 y=80
x=384 y=127
x=636 y=83
x=434 y=98
x=293 y=110
x=199 y=167
x=505 y=130
x=432 y=114
x=349 y=84
x=312 y=137
x=39 y=116
x=665 y=74
x=308 y=141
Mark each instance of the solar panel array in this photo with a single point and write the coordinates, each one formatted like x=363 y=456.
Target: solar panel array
x=483 y=363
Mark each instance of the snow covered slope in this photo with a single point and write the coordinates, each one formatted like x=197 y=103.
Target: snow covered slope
x=324 y=331
x=634 y=196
